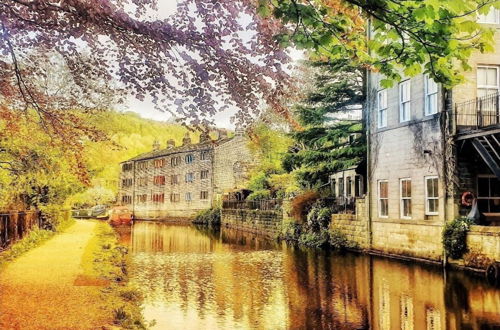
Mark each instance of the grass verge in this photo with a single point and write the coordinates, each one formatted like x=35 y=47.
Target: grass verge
x=109 y=261
x=33 y=239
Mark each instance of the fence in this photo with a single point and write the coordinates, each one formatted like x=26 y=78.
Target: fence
x=478 y=113
x=15 y=225
x=263 y=205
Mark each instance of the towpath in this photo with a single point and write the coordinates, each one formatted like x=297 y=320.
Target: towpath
x=47 y=288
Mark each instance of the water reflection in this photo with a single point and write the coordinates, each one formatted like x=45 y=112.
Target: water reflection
x=195 y=278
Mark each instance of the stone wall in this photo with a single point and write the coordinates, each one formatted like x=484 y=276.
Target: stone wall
x=484 y=246
x=353 y=226
x=255 y=221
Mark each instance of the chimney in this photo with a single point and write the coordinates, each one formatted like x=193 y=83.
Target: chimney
x=186 y=140
x=204 y=137
x=156 y=145
x=170 y=144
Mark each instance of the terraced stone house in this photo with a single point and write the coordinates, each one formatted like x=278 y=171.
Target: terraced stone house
x=178 y=181
x=429 y=146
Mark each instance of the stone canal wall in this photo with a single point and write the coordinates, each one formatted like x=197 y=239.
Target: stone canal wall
x=255 y=221
x=484 y=246
x=353 y=226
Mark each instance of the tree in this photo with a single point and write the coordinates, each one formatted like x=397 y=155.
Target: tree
x=209 y=56
x=430 y=36
x=330 y=140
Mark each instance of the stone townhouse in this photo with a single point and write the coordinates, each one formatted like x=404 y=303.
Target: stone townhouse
x=428 y=148
x=176 y=182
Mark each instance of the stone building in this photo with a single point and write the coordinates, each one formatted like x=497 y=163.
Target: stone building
x=427 y=147
x=177 y=182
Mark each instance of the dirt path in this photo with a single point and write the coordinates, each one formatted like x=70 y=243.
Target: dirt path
x=38 y=291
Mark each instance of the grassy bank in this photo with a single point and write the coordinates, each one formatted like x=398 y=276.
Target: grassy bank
x=107 y=260
x=35 y=238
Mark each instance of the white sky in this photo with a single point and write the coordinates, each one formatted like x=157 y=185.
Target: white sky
x=147 y=109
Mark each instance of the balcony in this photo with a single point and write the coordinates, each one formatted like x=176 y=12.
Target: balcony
x=477 y=114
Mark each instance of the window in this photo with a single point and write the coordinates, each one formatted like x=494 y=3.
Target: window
x=189 y=177
x=157 y=163
x=205 y=155
x=142 y=198
x=341 y=187
x=405 y=202
x=127 y=182
x=488 y=194
x=126 y=199
x=174 y=179
x=487 y=80
x=383 y=199
x=188 y=197
x=404 y=101
x=143 y=182
x=431 y=96
x=204 y=195
x=127 y=167
x=158 y=198
x=431 y=195
x=492 y=17
x=334 y=187
x=174 y=198
x=189 y=158
x=174 y=161
x=382 y=108
x=348 y=186
x=204 y=174
x=159 y=180
x=357 y=186
x=142 y=165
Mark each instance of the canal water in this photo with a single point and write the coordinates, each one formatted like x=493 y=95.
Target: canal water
x=195 y=278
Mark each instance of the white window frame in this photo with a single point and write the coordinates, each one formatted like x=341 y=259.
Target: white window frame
x=382 y=108
x=188 y=197
x=488 y=176
x=404 y=103
x=402 y=199
x=488 y=87
x=380 y=215
x=483 y=18
x=431 y=95
x=427 y=197
x=189 y=177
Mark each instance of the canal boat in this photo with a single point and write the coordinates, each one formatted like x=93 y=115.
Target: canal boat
x=120 y=216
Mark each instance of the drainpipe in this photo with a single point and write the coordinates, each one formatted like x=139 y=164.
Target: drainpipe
x=368 y=148
x=447 y=101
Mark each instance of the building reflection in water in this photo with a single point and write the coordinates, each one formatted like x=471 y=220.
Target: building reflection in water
x=195 y=278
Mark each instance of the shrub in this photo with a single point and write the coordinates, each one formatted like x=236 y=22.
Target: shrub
x=259 y=195
x=313 y=239
x=339 y=241
x=319 y=216
x=209 y=217
x=301 y=205
x=290 y=231
x=454 y=237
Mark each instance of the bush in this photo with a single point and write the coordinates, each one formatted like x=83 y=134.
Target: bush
x=338 y=240
x=319 y=216
x=454 y=237
x=259 y=195
x=313 y=239
x=209 y=217
x=302 y=204
x=290 y=231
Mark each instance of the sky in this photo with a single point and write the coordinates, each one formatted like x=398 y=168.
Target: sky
x=147 y=109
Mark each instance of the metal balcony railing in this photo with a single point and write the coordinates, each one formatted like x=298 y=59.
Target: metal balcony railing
x=478 y=113
x=263 y=205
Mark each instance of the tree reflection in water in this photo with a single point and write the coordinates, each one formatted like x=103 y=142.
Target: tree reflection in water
x=198 y=278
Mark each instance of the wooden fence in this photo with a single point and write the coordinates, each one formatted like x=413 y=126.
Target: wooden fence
x=15 y=225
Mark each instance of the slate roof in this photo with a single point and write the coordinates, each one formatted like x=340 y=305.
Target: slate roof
x=184 y=148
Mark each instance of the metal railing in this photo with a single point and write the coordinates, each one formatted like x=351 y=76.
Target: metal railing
x=478 y=113
x=263 y=205
x=15 y=225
